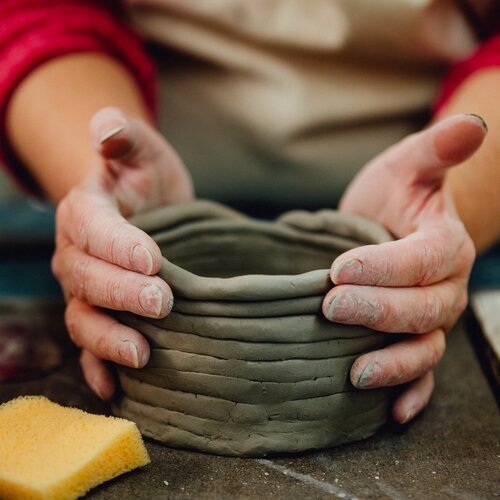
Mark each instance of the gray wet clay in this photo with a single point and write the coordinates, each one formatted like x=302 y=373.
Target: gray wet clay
x=246 y=364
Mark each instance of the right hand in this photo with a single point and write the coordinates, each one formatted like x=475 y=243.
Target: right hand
x=103 y=261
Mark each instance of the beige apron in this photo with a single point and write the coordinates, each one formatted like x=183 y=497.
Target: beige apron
x=282 y=101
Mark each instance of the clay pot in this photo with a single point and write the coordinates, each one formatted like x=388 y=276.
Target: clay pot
x=246 y=364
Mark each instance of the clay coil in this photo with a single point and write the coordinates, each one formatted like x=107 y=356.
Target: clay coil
x=256 y=351
x=246 y=364
x=353 y=419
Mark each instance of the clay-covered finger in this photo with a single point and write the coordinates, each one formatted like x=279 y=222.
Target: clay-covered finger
x=105 y=337
x=396 y=310
x=424 y=257
x=400 y=362
x=95 y=225
x=97 y=375
x=414 y=399
x=106 y=285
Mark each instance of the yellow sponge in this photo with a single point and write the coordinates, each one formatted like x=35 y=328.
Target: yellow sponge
x=51 y=452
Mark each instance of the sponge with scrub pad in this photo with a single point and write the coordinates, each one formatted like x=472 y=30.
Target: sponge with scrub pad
x=51 y=452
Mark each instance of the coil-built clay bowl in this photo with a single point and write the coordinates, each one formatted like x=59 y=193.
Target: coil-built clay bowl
x=246 y=364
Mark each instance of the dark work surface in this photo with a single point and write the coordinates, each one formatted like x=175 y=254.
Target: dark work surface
x=452 y=451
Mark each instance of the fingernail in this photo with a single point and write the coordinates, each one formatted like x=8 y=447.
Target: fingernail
x=481 y=119
x=110 y=133
x=410 y=415
x=369 y=376
x=95 y=387
x=142 y=259
x=341 y=308
x=351 y=270
x=129 y=352
x=151 y=300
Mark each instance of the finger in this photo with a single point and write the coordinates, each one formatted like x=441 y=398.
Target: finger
x=424 y=257
x=97 y=375
x=425 y=156
x=400 y=362
x=95 y=225
x=106 y=285
x=395 y=310
x=129 y=141
x=414 y=399
x=104 y=336
x=116 y=136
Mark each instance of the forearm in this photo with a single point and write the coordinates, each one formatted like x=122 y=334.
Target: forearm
x=49 y=113
x=475 y=184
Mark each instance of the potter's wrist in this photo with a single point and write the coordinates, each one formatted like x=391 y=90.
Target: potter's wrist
x=482 y=230
x=48 y=116
x=474 y=183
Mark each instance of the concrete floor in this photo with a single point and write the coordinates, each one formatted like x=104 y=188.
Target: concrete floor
x=452 y=451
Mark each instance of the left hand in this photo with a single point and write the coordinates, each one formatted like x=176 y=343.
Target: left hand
x=417 y=284
x=101 y=260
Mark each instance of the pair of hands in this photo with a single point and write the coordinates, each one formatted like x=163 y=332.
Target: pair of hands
x=417 y=284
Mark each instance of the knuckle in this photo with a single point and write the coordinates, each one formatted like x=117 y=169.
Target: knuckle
x=80 y=277
x=115 y=329
x=61 y=211
x=55 y=265
x=462 y=302
x=381 y=316
x=72 y=322
x=431 y=261
x=64 y=209
x=468 y=254
x=116 y=294
x=107 y=343
x=114 y=248
x=114 y=244
x=429 y=315
x=455 y=312
x=385 y=270
x=83 y=220
x=102 y=345
x=83 y=223
x=401 y=371
x=436 y=350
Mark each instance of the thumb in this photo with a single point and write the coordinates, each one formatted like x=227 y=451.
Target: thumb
x=425 y=156
x=127 y=140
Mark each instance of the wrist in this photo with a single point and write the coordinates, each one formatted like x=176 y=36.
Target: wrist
x=474 y=184
x=49 y=114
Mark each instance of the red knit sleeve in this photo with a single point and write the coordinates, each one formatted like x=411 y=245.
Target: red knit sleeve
x=486 y=56
x=35 y=31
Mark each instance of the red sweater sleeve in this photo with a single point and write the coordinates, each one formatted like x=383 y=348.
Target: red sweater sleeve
x=486 y=56
x=35 y=31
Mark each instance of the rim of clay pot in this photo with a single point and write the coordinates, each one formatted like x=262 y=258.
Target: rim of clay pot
x=324 y=230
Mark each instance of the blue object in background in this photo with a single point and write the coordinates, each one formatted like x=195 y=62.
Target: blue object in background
x=27 y=278
x=486 y=271
x=26 y=245
x=26 y=221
